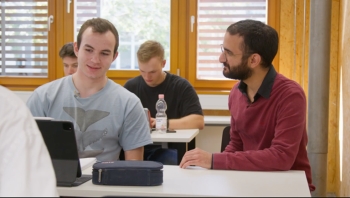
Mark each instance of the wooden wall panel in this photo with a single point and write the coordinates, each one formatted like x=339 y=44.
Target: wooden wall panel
x=286 y=36
x=333 y=176
x=293 y=63
x=345 y=66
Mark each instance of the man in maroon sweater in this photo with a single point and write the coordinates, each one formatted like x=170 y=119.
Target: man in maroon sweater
x=268 y=111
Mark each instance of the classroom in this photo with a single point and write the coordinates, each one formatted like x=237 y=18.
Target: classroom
x=313 y=51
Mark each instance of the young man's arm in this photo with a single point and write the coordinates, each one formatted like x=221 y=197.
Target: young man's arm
x=192 y=121
x=135 y=133
x=134 y=154
x=191 y=114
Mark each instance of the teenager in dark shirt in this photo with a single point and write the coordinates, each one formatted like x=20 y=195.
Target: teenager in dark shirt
x=183 y=108
x=268 y=111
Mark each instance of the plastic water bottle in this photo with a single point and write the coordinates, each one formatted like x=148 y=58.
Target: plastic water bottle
x=161 y=118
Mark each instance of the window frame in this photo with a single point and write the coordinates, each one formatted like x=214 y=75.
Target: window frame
x=121 y=76
x=30 y=83
x=182 y=48
x=219 y=86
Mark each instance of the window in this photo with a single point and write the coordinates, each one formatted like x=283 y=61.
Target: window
x=24 y=38
x=136 y=22
x=192 y=48
x=25 y=34
x=213 y=17
x=208 y=22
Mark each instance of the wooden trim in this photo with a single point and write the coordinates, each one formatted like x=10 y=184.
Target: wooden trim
x=174 y=36
x=273 y=19
x=60 y=40
x=336 y=54
x=182 y=38
x=22 y=81
x=213 y=92
x=210 y=112
x=51 y=51
x=64 y=33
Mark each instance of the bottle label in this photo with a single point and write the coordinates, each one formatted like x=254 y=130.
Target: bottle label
x=161 y=124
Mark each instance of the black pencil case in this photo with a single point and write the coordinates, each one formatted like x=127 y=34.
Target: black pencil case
x=128 y=173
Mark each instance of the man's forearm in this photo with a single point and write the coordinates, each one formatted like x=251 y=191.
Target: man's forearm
x=187 y=122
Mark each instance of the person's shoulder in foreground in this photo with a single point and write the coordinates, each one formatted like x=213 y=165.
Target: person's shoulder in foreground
x=268 y=111
x=26 y=167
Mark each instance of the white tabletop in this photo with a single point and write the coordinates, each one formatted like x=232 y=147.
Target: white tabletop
x=202 y=182
x=217 y=120
x=183 y=135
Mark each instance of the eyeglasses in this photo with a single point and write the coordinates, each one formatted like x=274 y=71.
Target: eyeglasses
x=228 y=52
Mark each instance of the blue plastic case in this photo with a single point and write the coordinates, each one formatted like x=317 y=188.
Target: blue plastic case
x=128 y=173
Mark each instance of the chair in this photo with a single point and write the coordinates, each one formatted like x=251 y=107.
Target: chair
x=121 y=155
x=225 y=138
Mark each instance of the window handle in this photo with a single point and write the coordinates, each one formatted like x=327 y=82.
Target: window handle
x=192 y=22
x=49 y=21
x=68 y=5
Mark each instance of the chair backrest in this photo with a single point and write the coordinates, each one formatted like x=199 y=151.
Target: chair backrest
x=122 y=155
x=225 y=138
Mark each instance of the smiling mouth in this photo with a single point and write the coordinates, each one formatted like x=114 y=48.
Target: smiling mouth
x=93 y=67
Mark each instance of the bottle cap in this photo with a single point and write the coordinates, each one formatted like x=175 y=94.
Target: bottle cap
x=161 y=96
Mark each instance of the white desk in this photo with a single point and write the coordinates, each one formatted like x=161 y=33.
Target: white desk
x=217 y=120
x=202 y=182
x=183 y=135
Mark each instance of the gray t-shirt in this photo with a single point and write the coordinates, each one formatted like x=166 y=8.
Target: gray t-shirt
x=105 y=122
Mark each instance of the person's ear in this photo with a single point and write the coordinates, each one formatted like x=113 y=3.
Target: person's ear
x=76 y=49
x=163 y=63
x=115 y=55
x=254 y=60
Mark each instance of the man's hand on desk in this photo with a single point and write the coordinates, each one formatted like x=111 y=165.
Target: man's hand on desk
x=196 y=157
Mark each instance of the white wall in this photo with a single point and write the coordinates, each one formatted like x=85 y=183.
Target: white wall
x=24 y=95
x=209 y=139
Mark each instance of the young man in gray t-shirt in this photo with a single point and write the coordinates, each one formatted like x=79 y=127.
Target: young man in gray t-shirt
x=106 y=116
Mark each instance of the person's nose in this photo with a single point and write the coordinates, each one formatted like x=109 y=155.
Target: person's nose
x=148 y=76
x=71 y=70
x=95 y=58
x=222 y=57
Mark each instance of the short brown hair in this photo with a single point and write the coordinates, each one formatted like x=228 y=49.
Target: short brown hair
x=67 y=50
x=99 y=25
x=150 y=49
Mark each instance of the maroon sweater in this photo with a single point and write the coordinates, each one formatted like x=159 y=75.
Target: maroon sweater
x=269 y=134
